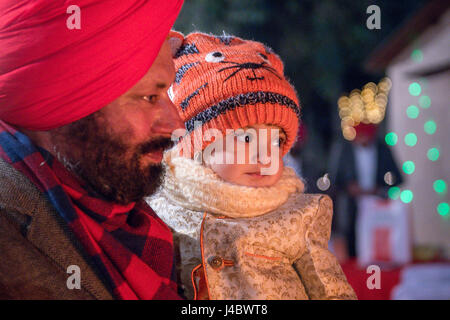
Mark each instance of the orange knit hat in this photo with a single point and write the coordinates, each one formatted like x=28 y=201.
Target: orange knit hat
x=229 y=83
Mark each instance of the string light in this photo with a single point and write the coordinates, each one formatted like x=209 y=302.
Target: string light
x=414 y=89
x=440 y=186
x=412 y=112
x=410 y=139
x=433 y=154
x=430 y=127
x=417 y=55
x=406 y=196
x=409 y=167
x=443 y=208
x=394 y=193
x=367 y=105
x=391 y=138
x=424 y=102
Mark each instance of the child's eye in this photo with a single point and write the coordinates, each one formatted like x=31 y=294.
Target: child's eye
x=215 y=56
x=244 y=138
x=151 y=98
x=279 y=143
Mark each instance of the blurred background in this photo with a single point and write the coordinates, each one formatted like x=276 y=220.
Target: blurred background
x=375 y=133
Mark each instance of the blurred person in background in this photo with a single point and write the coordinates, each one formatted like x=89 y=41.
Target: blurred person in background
x=364 y=166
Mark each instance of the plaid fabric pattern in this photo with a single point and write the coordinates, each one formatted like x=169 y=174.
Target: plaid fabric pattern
x=130 y=246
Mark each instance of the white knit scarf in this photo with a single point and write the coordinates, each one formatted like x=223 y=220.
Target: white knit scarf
x=198 y=188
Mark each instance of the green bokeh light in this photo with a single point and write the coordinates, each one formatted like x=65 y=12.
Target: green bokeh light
x=440 y=186
x=414 y=89
x=394 y=193
x=412 y=112
x=433 y=154
x=430 y=127
x=391 y=138
x=406 y=196
x=411 y=139
x=417 y=55
x=443 y=208
x=425 y=102
x=408 y=167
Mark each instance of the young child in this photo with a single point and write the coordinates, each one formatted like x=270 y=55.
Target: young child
x=242 y=234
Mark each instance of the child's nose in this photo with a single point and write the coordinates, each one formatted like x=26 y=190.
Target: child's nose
x=263 y=153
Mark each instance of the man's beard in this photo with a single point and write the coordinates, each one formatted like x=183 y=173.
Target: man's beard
x=103 y=162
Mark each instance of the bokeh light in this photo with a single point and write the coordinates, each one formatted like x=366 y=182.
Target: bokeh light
x=433 y=154
x=425 y=102
x=391 y=138
x=414 y=89
x=367 y=105
x=412 y=112
x=389 y=178
x=430 y=127
x=408 y=167
x=406 y=196
x=349 y=133
x=443 y=208
x=417 y=55
x=323 y=183
x=440 y=186
x=394 y=193
x=410 y=139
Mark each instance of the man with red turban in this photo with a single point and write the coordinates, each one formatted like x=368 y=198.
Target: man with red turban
x=84 y=119
x=358 y=168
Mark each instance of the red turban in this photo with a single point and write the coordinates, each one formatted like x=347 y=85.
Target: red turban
x=51 y=75
x=368 y=130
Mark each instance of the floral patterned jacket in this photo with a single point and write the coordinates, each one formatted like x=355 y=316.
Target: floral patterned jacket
x=248 y=243
x=279 y=255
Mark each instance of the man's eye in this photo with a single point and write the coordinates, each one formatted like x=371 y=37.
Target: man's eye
x=244 y=138
x=151 y=98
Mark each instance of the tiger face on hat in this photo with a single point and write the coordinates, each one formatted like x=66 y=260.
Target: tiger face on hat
x=226 y=82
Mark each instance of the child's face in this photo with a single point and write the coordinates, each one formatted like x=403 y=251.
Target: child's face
x=261 y=145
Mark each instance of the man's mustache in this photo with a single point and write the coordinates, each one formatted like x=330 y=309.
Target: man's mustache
x=156 y=144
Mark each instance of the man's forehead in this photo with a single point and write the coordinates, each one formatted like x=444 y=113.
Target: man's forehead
x=148 y=82
x=160 y=75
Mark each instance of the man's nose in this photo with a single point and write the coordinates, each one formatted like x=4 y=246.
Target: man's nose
x=170 y=119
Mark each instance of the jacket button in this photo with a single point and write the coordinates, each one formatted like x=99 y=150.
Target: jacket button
x=215 y=262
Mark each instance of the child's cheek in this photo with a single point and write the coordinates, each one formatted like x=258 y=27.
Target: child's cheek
x=227 y=172
x=280 y=170
x=241 y=153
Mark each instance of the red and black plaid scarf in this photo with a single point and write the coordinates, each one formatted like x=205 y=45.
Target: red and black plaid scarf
x=130 y=246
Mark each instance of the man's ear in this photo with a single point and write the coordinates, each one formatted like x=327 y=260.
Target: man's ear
x=175 y=39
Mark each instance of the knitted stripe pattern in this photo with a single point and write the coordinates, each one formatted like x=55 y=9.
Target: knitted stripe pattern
x=226 y=82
